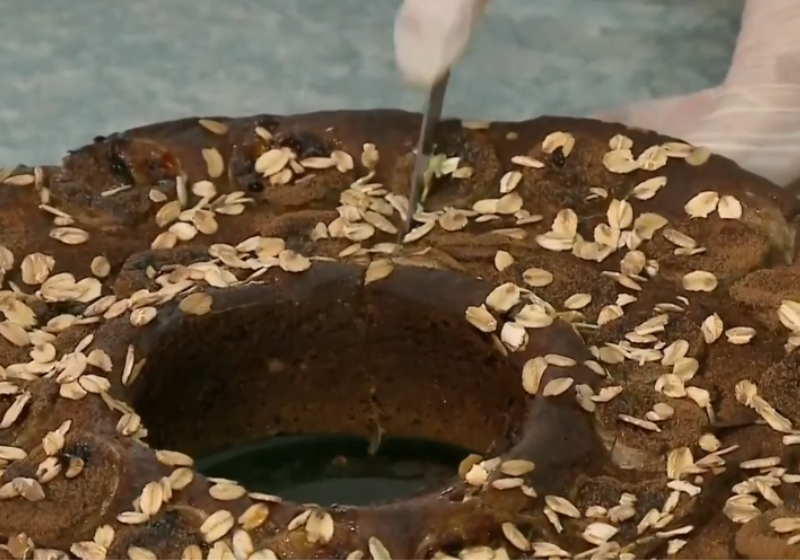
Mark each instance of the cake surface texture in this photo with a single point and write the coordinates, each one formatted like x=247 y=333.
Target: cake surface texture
x=608 y=317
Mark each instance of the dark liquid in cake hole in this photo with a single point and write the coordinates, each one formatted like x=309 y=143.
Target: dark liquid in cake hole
x=337 y=469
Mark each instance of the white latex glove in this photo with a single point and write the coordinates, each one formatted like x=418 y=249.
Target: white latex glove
x=753 y=117
x=431 y=35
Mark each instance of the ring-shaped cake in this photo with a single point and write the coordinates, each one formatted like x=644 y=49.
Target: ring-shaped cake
x=610 y=316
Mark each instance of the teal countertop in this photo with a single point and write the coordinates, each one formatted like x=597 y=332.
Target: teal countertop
x=71 y=70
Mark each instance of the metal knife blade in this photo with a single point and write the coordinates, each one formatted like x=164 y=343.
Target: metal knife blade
x=431 y=117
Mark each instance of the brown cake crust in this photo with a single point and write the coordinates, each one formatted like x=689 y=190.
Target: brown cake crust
x=166 y=285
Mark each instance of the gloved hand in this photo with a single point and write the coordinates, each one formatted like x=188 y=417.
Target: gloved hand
x=431 y=35
x=753 y=117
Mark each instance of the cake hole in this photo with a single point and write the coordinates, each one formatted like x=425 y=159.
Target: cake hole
x=335 y=362
x=337 y=469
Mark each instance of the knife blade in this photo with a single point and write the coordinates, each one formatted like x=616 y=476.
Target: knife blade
x=431 y=118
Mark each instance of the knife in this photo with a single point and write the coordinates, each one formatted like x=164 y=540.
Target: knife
x=431 y=118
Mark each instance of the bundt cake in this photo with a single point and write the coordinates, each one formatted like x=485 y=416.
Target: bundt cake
x=609 y=316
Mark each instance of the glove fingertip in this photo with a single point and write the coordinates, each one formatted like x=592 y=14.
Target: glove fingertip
x=430 y=36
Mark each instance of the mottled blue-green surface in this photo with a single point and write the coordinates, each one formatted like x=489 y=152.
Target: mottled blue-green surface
x=73 y=69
